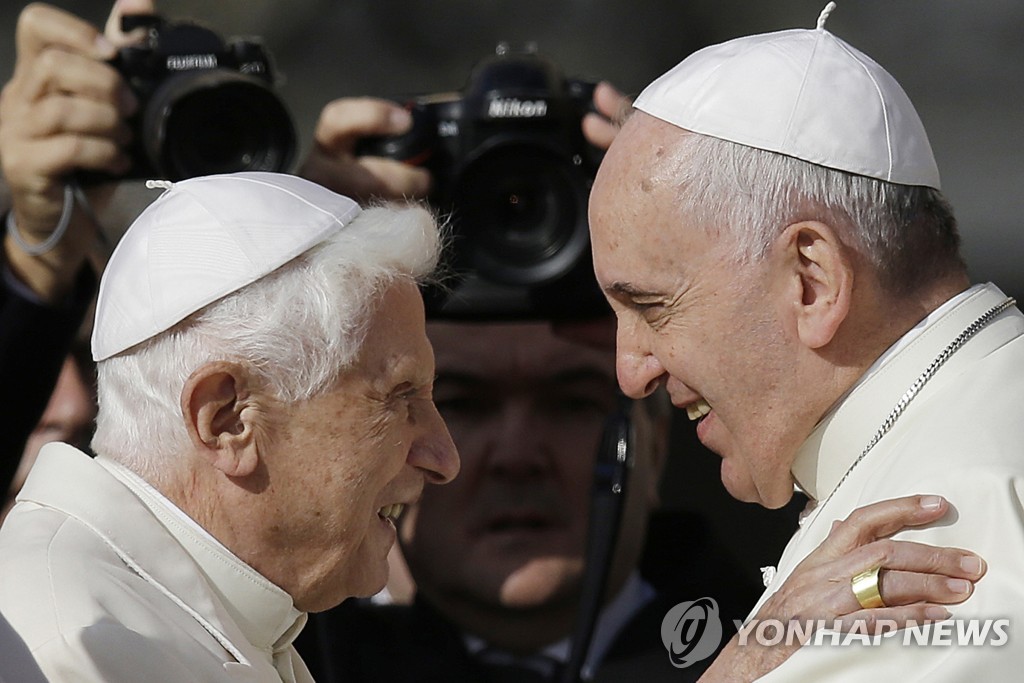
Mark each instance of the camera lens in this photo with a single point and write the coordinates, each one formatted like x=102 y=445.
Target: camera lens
x=216 y=121
x=520 y=212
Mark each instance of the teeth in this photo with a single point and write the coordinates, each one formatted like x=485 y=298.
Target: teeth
x=697 y=410
x=391 y=511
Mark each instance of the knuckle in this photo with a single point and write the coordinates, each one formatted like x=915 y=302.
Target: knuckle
x=887 y=550
x=936 y=558
x=870 y=621
x=50 y=60
x=13 y=160
x=76 y=146
x=879 y=553
x=935 y=586
x=854 y=517
x=108 y=82
x=31 y=17
x=51 y=116
x=868 y=555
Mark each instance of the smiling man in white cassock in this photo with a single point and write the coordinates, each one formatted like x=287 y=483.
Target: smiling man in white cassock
x=265 y=413
x=769 y=229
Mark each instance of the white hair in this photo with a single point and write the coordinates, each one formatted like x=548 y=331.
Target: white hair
x=297 y=328
x=907 y=233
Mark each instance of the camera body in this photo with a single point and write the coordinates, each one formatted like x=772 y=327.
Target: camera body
x=205 y=105
x=512 y=171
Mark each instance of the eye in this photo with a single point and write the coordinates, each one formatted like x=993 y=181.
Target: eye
x=654 y=314
x=455 y=405
x=405 y=394
x=580 y=405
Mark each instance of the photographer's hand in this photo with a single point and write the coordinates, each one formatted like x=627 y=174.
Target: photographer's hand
x=613 y=107
x=62 y=110
x=333 y=162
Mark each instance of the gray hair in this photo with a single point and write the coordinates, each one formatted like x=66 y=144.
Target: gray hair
x=296 y=328
x=907 y=233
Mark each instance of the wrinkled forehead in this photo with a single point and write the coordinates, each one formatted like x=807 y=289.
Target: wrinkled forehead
x=646 y=150
x=635 y=215
x=395 y=341
x=646 y=158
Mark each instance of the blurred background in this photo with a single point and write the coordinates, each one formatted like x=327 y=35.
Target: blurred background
x=962 y=63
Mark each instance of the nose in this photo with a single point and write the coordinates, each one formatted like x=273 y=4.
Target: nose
x=434 y=452
x=639 y=372
x=516 y=449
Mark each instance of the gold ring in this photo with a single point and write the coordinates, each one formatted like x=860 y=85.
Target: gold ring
x=865 y=588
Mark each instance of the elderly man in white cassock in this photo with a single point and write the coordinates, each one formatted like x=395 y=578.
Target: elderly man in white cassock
x=265 y=412
x=769 y=229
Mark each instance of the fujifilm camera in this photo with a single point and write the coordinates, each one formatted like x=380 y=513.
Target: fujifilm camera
x=513 y=173
x=206 y=106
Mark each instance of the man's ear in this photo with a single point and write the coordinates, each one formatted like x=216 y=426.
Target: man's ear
x=218 y=406
x=819 y=275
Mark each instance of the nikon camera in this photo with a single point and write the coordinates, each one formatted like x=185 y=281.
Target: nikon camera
x=512 y=171
x=206 y=106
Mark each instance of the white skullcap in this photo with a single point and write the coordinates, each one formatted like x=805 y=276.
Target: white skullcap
x=803 y=93
x=203 y=239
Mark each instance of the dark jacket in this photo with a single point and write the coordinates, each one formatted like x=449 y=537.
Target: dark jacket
x=360 y=642
x=34 y=340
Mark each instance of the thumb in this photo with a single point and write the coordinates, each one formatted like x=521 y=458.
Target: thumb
x=124 y=8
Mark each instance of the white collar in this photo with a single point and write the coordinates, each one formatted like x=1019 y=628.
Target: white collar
x=836 y=442
x=263 y=612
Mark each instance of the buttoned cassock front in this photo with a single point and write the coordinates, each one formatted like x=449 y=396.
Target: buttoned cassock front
x=961 y=437
x=105 y=581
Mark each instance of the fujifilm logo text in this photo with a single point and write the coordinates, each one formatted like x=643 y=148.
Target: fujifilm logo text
x=513 y=108
x=188 y=62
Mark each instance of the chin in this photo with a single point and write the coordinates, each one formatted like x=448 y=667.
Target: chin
x=768 y=491
x=363 y=584
x=370 y=583
x=777 y=500
x=740 y=486
x=540 y=581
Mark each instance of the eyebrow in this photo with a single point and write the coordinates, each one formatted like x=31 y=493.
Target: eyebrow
x=626 y=289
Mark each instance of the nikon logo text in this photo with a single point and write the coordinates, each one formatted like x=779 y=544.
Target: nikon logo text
x=187 y=62
x=513 y=108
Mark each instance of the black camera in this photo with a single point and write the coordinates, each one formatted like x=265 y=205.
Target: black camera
x=512 y=170
x=206 y=106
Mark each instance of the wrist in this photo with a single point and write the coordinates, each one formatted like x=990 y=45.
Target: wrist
x=746 y=660
x=47 y=250
x=54 y=235
x=50 y=276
